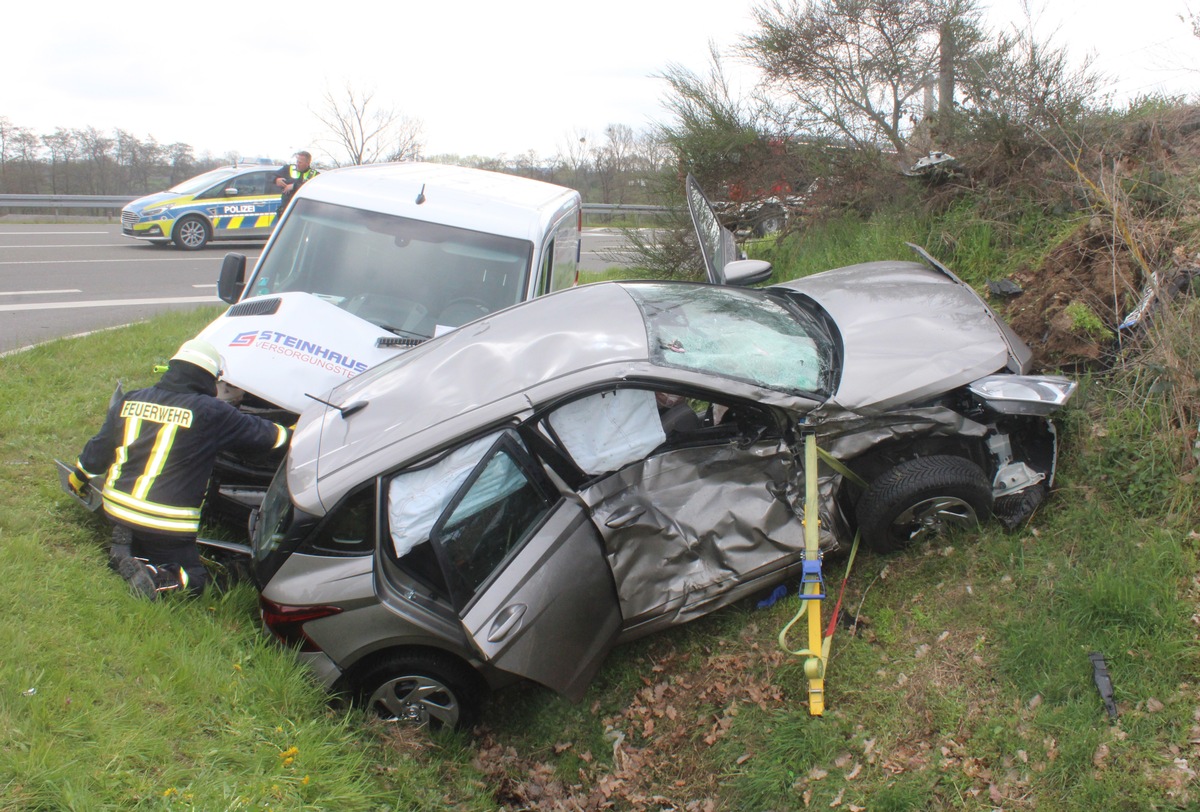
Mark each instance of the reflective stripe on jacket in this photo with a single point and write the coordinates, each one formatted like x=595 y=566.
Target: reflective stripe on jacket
x=159 y=448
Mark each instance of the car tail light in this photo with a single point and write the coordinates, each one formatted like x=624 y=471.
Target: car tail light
x=287 y=622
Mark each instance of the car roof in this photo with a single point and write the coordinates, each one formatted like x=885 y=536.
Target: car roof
x=483 y=372
x=458 y=196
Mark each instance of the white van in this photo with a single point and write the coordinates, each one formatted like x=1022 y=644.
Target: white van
x=369 y=261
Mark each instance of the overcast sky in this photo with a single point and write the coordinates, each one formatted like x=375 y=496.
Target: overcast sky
x=483 y=78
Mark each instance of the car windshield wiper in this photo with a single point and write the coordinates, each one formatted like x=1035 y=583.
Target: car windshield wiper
x=400 y=331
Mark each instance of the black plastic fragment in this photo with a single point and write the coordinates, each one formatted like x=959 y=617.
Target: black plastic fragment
x=1103 y=683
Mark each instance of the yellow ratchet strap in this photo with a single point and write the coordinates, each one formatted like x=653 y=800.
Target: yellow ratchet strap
x=812 y=585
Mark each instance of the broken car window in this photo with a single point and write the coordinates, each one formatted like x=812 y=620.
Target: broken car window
x=496 y=513
x=741 y=334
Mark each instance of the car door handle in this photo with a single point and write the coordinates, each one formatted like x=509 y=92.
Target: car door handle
x=624 y=516
x=506 y=622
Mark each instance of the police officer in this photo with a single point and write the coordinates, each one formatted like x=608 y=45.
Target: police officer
x=156 y=451
x=292 y=177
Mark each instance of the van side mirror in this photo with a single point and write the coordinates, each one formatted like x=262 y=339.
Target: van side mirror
x=232 y=281
x=743 y=272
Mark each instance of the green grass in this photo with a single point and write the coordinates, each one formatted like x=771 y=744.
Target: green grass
x=978 y=240
x=966 y=686
x=114 y=703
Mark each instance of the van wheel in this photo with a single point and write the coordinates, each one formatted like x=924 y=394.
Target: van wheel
x=191 y=233
x=922 y=498
x=423 y=690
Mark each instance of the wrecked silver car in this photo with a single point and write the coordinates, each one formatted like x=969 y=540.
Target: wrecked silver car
x=517 y=496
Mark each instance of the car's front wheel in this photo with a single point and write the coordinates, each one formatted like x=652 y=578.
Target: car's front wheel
x=421 y=689
x=921 y=498
x=191 y=233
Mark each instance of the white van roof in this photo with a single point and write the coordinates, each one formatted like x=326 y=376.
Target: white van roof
x=474 y=199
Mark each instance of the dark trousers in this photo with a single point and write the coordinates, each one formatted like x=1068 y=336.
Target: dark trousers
x=165 y=552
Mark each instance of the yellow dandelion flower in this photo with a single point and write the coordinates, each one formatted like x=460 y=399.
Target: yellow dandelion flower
x=169 y=791
x=287 y=762
x=290 y=752
x=237 y=667
x=304 y=781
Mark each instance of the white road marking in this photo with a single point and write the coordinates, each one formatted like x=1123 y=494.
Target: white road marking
x=37 y=292
x=4 y=233
x=76 y=245
x=109 y=303
x=51 y=340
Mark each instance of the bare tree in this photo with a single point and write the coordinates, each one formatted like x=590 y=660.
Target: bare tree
x=361 y=131
x=574 y=156
x=1028 y=79
x=63 y=149
x=183 y=162
x=860 y=68
x=97 y=152
x=614 y=160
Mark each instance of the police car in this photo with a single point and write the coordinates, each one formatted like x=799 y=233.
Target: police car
x=231 y=203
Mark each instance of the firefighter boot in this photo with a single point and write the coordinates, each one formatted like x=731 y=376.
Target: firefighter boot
x=150 y=581
x=121 y=547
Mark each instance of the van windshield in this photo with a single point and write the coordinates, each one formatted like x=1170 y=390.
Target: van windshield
x=408 y=276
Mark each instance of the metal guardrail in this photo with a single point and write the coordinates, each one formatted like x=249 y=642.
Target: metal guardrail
x=65 y=201
x=119 y=201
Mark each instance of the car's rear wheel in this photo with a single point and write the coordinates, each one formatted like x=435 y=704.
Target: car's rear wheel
x=191 y=233
x=922 y=498
x=421 y=689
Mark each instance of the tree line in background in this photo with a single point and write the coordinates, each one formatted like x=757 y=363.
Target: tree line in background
x=616 y=168
x=90 y=162
x=852 y=94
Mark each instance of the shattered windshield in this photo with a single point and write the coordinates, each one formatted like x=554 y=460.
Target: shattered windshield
x=411 y=277
x=743 y=334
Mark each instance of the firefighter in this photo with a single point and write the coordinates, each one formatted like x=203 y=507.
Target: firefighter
x=156 y=452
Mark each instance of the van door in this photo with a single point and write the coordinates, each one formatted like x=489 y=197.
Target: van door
x=559 y=266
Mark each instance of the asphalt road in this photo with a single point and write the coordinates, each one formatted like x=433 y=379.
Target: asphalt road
x=63 y=280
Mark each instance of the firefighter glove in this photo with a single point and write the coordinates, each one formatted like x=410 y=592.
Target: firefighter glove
x=78 y=481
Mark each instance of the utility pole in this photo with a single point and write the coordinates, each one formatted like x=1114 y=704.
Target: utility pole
x=945 y=117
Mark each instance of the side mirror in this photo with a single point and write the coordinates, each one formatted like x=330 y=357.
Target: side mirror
x=232 y=281
x=231 y=191
x=743 y=272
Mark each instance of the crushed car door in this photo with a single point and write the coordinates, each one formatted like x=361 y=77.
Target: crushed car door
x=691 y=496
x=525 y=568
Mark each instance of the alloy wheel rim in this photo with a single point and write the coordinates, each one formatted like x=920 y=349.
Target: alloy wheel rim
x=933 y=517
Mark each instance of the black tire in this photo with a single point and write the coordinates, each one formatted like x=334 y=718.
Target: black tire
x=771 y=221
x=922 y=498
x=421 y=689
x=191 y=233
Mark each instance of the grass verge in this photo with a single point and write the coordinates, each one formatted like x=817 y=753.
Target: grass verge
x=965 y=684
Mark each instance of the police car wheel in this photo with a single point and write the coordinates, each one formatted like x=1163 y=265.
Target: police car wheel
x=191 y=234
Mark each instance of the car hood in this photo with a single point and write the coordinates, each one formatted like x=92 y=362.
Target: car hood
x=285 y=347
x=909 y=332
x=156 y=199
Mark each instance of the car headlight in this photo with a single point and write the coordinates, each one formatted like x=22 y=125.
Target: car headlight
x=155 y=212
x=1023 y=394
